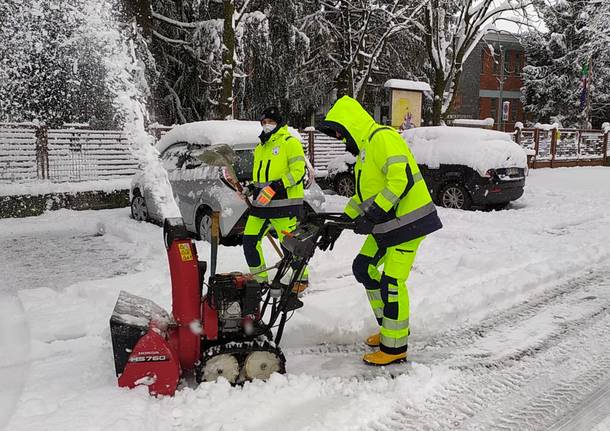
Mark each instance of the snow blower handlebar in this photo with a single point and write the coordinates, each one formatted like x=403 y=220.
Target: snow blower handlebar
x=300 y=246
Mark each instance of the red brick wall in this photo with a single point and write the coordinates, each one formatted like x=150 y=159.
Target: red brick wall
x=489 y=76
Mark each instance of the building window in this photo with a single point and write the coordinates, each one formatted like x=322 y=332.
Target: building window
x=519 y=60
x=495 y=65
x=514 y=111
x=509 y=65
x=493 y=109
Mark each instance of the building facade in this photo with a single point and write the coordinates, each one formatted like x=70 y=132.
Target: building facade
x=492 y=75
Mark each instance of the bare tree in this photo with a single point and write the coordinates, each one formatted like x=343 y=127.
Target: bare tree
x=452 y=29
x=221 y=35
x=356 y=34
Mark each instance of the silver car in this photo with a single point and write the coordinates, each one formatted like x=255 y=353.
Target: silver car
x=201 y=189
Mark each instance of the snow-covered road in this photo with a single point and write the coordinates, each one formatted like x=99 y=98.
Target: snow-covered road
x=510 y=322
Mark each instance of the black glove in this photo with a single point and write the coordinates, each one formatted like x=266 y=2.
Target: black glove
x=363 y=226
x=277 y=186
x=330 y=235
x=373 y=215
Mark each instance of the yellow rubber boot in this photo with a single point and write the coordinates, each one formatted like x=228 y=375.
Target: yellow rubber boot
x=373 y=340
x=380 y=358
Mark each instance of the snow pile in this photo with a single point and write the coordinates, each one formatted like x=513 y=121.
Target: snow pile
x=340 y=164
x=14 y=353
x=479 y=149
x=231 y=132
x=606 y=127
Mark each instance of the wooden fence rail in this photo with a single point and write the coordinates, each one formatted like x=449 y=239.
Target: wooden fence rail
x=563 y=147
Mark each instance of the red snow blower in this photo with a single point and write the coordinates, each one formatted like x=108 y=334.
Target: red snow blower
x=227 y=332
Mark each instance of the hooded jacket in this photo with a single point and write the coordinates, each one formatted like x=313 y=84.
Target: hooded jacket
x=386 y=173
x=279 y=158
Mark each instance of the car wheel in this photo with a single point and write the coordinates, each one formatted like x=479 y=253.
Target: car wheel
x=345 y=185
x=455 y=196
x=204 y=224
x=139 y=211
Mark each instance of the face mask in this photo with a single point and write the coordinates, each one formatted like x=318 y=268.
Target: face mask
x=268 y=127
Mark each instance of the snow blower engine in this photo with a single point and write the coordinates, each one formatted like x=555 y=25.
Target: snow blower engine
x=227 y=332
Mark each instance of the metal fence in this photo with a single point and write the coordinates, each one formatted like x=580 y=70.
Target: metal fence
x=321 y=149
x=30 y=152
x=563 y=147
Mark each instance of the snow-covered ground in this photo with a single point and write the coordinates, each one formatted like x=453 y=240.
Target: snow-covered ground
x=509 y=312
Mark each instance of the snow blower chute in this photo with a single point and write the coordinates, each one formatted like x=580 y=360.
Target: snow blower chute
x=224 y=333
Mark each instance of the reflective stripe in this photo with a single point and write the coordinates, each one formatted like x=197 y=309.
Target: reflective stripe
x=394 y=342
x=353 y=205
x=261 y=185
x=393 y=160
x=291 y=180
x=367 y=203
x=395 y=324
x=406 y=219
x=296 y=159
x=279 y=203
x=378 y=311
x=373 y=295
x=391 y=197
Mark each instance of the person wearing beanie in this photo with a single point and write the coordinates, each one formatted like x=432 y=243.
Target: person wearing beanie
x=277 y=191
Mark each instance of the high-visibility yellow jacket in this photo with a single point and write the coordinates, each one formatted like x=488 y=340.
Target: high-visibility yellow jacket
x=281 y=157
x=386 y=173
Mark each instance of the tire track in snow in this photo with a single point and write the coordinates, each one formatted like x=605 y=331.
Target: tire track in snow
x=531 y=387
x=431 y=349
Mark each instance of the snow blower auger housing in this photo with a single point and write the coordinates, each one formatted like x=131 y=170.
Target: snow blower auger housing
x=225 y=333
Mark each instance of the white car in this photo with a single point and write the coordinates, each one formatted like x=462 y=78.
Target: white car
x=201 y=189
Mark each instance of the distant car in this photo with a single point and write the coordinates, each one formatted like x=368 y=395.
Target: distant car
x=200 y=189
x=464 y=168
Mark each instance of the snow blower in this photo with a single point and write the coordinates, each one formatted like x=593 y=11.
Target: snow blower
x=228 y=332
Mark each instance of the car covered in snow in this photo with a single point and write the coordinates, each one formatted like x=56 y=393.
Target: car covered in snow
x=463 y=167
x=200 y=189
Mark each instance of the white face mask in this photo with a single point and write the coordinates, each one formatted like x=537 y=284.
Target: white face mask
x=268 y=127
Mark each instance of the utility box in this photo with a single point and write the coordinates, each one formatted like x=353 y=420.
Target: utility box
x=406 y=102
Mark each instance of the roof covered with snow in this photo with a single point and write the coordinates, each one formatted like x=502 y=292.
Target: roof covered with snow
x=480 y=149
x=404 y=84
x=231 y=132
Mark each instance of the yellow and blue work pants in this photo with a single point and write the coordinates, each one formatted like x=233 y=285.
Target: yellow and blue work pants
x=387 y=291
x=256 y=229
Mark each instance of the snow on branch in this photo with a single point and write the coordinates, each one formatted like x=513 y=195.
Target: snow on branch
x=173 y=21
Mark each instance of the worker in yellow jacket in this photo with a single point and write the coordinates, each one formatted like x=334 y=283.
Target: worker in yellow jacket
x=393 y=207
x=277 y=190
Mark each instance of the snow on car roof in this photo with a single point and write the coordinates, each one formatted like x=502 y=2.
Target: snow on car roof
x=230 y=132
x=479 y=149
